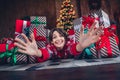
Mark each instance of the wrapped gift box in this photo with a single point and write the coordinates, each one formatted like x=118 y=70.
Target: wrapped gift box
x=103 y=16
x=21 y=26
x=77 y=26
x=6 y=51
x=107 y=51
x=9 y=55
x=108 y=45
x=71 y=35
x=38 y=24
x=22 y=59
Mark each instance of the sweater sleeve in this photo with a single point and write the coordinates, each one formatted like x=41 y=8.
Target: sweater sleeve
x=73 y=50
x=45 y=55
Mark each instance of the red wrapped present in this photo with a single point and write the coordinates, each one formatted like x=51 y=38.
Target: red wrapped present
x=3 y=47
x=21 y=26
x=5 y=52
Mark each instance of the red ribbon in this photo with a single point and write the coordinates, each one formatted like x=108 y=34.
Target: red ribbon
x=38 y=38
x=88 y=21
x=3 y=47
x=71 y=32
x=105 y=42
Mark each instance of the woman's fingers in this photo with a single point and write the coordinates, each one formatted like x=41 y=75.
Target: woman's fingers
x=20 y=46
x=32 y=37
x=19 y=41
x=93 y=30
x=96 y=31
x=95 y=39
x=25 y=37
x=22 y=51
x=92 y=27
x=82 y=30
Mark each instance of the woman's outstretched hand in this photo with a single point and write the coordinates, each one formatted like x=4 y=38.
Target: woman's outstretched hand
x=28 y=47
x=86 y=39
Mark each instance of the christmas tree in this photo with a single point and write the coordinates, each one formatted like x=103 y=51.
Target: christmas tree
x=67 y=15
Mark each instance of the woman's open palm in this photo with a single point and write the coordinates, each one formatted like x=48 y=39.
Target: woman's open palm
x=92 y=36
x=28 y=46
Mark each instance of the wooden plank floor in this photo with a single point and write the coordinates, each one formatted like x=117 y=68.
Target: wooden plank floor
x=66 y=63
x=94 y=69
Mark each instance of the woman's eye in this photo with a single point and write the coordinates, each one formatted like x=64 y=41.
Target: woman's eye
x=54 y=37
x=60 y=36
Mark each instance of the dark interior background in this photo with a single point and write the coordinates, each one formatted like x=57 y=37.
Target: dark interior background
x=10 y=10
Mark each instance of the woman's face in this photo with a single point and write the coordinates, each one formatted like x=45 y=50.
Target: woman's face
x=58 y=40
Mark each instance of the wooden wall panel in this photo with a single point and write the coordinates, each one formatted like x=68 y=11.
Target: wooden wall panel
x=84 y=7
x=17 y=9
x=10 y=10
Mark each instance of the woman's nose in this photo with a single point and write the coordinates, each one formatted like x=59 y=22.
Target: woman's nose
x=58 y=38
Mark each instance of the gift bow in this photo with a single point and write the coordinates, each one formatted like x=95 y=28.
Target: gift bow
x=10 y=53
x=88 y=21
x=37 y=22
x=38 y=38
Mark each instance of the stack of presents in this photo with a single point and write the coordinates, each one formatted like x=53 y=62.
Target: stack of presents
x=107 y=47
x=36 y=25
